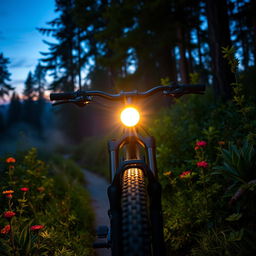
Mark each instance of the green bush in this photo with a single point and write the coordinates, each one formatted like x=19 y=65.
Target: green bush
x=202 y=213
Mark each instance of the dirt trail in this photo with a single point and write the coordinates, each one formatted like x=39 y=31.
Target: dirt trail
x=97 y=187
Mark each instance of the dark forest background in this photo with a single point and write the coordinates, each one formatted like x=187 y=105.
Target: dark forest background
x=126 y=45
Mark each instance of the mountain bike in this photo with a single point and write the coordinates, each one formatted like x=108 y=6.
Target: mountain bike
x=136 y=222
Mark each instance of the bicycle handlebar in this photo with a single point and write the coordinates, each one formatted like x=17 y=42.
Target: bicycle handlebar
x=62 y=96
x=171 y=90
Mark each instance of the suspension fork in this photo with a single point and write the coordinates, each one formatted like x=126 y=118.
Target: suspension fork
x=154 y=189
x=132 y=150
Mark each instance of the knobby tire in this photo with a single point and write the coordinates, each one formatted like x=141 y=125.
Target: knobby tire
x=135 y=217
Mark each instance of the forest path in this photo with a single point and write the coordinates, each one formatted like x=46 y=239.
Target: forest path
x=97 y=187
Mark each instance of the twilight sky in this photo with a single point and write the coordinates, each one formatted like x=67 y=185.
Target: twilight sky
x=19 y=39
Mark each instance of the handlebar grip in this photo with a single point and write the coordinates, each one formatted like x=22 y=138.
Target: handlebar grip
x=63 y=96
x=194 y=87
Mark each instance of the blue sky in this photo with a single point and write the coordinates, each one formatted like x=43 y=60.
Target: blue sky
x=19 y=39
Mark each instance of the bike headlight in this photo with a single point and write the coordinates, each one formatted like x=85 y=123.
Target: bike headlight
x=130 y=116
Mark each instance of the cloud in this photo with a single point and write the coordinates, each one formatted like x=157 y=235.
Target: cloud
x=21 y=63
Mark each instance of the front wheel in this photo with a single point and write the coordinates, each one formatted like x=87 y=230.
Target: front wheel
x=136 y=237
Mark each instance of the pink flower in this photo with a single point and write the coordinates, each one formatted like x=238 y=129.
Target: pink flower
x=203 y=164
x=196 y=147
x=9 y=214
x=185 y=174
x=36 y=227
x=201 y=143
x=24 y=189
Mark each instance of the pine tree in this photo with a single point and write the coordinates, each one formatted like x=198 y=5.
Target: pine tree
x=219 y=36
x=40 y=80
x=61 y=59
x=5 y=87
x=29 y=90
x=15 y=110
x=29 y=113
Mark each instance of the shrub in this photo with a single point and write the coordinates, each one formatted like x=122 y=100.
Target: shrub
x=197 y=207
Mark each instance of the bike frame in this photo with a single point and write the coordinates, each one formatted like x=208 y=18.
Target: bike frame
x=131 y=140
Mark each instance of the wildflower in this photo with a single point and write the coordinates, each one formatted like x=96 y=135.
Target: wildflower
x=167 y=173
x=41 y=189
x=203 y=164
x=10 y=160
x=36 y=227
x=201 y=143
x=24 y=189
x=8 y=195
x=196 y=147
x=221 y=143
x=6 y=229
x=185 y=174
x=8 y=192
x=9 y=214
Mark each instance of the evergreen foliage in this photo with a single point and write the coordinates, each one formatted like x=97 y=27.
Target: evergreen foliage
x=15 y=110
x=5 y=87
x=29 y=90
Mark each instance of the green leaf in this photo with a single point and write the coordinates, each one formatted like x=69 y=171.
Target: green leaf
x=236 y=235
x=234 y=217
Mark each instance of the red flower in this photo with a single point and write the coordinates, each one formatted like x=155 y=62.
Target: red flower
x=24 y=189
x=185 y=174
x=201 y=143
x=36 y=227
x=203 y=164
x=8 y=195
x=9 y=214
x=10 y=160
x=6 y=229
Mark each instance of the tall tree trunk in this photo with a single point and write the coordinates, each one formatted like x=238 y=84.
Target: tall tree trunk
x=253 y=6
x=244 y=39
x=167 y=67
x=254 y=41
x=199 y=46
x=219 y=36
x=79 y=58
x=190 y=58
x=183 y=60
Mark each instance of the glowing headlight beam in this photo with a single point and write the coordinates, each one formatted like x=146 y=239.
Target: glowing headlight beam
x=130 y=116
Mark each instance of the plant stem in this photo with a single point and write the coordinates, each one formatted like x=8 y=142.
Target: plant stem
x=12 y=238
x=205 y=189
